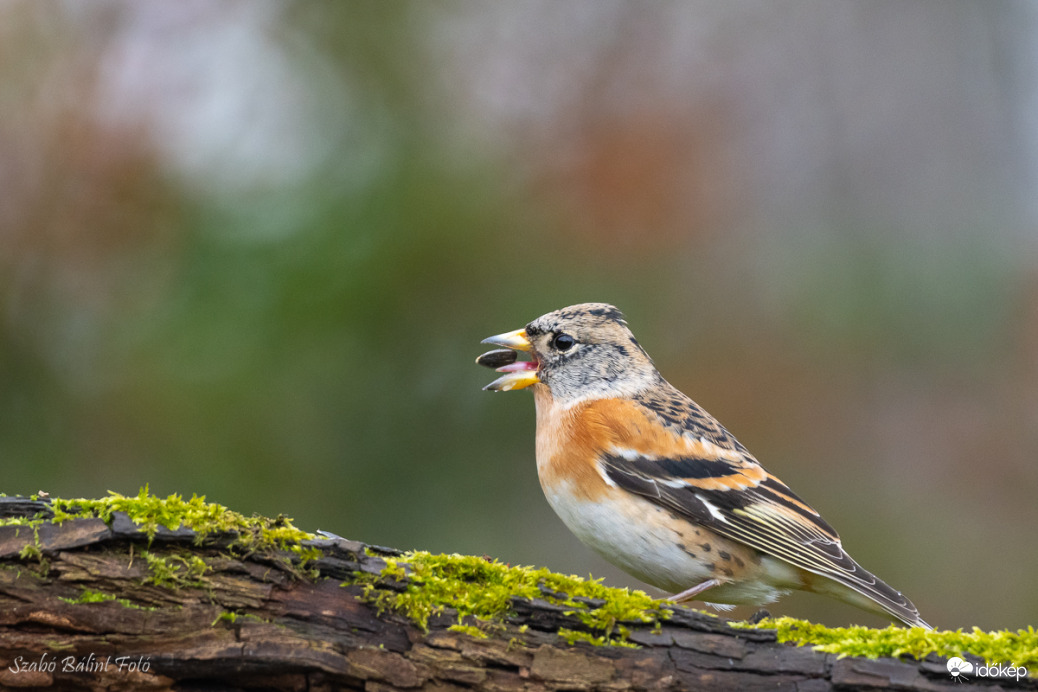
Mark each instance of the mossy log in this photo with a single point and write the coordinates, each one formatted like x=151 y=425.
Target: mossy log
x=94 y=603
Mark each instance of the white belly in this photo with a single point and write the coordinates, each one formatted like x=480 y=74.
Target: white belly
x=653 y=545
x=619 y=530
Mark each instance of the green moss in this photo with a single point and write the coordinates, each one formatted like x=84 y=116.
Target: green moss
x=175 y=571
x=228 y=616
x=232 y=616
x=30 y=551
x=149 y=512
x=484 y=589
x=250 y=534
x=204 y=518
x=20 y=521
x=470 y=630
x=574 y=636
x=1019 y=648
x=91 y=596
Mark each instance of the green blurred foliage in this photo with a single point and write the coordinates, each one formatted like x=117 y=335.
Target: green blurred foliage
x=299 y=337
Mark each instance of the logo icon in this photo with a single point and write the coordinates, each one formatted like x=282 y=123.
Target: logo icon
x=958 y=668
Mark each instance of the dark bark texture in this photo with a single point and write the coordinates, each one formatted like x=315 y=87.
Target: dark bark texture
x=291 y=631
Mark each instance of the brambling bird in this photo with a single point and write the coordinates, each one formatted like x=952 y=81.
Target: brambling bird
x=653 y=483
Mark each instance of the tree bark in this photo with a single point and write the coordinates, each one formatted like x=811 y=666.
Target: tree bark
x=257 y=621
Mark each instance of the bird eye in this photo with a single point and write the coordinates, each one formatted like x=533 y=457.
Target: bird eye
x=563 y=341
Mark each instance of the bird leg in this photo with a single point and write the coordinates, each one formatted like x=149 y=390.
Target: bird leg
x=690 y=594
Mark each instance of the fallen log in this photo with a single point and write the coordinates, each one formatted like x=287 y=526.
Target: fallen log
x=129 y=593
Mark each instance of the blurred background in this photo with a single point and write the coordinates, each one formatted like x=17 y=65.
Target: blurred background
x=248 y=250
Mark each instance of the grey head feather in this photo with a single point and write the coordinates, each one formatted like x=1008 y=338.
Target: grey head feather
x=604 y=361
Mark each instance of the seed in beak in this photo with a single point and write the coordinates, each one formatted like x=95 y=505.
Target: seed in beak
x=497 y=358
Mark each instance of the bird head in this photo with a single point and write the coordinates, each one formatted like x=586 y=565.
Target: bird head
x=580 y=352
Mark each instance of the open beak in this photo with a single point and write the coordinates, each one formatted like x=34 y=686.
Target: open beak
x=520 y=374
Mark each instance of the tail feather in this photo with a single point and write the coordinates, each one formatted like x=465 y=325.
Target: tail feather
x=865 y=590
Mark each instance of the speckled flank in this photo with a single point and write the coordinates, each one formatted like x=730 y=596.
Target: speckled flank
x=659 y=547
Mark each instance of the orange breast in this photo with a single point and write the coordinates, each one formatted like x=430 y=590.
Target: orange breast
x=570 y=441
x=568 y=444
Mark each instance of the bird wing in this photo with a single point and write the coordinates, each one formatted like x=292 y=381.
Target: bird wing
x=682 y=459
